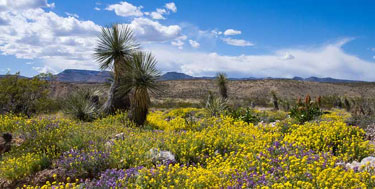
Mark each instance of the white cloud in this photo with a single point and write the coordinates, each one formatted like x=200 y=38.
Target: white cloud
x=194 y=44
x=24 y=4
x=44 y=69
x=325 y=61
x=178 y=43
x=66 y=42
x=72 y=15
x=287 y=56
x=36 y=34
x=149 y=30
x=232 y=32
x=97 y=8
x=125 y=9
x=237 y=42
x=373 y=57
x=158 y=14
x=171 y=6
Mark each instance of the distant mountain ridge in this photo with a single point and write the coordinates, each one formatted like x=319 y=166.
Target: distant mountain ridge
x=92 y=76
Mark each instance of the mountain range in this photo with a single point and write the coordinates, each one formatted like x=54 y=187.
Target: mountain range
x=91 y=76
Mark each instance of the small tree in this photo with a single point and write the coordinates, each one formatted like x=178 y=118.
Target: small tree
x=140 y=78
x=221 y=80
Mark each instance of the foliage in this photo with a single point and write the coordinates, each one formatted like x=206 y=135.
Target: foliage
x=23 y=95
x=221 y=80
x=83 y=104
x=306 y=111
x=18 y=167
x=139 y=79
x=247 y=115
x=83 y=163
x=215 y=106
x=210 y=151
x=114 y=50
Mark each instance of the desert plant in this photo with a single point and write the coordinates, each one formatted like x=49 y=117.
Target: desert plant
x=115 y=48
x=221 y=80
x=215 y=106
x=275 y=100
x=82 y=104
x=23 y=95
x=347 y=104
x=305 y=111
x=140 y=78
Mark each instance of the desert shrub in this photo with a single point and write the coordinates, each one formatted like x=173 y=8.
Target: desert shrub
x=215 y=106
x=133 y=150
x=342 y=140
x=23 y=95
x=83 y=104
x=14 y=168
x=83 y=163
x=306 y=111
x=247 y=115
x=114 y=178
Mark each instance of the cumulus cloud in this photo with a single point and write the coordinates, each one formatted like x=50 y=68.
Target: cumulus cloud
x=158 y=14
x=232 y=32
x=149 y=30
x=97 y=8
x=36 y=34
x=125 y=9
x=44 y=69
x=194 y=44
x=287 y=56
x=24 y=4
x=60 y=42
x=179 y=42
x=171 y=6
x=237 y=42
x=72 y=15
x=325 y=61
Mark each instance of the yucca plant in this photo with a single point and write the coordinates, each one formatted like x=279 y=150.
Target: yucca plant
x=221 y=80
x=215 y=106
x=140 y=78
x=115 y=47
x=82 y=104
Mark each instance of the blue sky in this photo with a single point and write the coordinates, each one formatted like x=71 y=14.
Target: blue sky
x=258 y=38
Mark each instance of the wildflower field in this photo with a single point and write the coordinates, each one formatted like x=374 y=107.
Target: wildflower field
x=209 y=152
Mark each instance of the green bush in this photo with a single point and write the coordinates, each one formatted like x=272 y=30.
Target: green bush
x=306 y=111
x=23 y=95
x=83 y=104
x=247 y=115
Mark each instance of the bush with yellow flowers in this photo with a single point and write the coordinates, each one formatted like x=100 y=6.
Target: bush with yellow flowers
x=13 y=168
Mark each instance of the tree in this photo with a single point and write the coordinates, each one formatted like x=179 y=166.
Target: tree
x=114 y=50
x=140 y=78
x=221 y=80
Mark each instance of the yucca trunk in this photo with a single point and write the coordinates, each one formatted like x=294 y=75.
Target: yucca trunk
x=108 y=106
x=223 y=91
x=140 y=101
